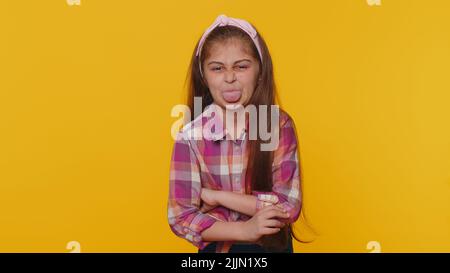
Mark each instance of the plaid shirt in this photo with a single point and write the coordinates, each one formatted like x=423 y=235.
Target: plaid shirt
x=220 y=164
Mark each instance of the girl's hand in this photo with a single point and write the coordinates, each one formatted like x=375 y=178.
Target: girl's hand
x=209 y=199
x=264 y=222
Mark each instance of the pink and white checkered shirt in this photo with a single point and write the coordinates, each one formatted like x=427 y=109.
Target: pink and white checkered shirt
x=220 y=164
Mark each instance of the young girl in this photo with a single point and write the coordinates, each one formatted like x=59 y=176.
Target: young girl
x=226 y=193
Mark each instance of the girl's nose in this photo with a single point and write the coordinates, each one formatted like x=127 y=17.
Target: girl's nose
x=230 y=76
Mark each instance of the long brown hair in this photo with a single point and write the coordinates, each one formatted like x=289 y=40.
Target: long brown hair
x=259 y=169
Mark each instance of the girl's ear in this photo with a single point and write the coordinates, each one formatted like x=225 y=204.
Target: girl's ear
x=204 y=81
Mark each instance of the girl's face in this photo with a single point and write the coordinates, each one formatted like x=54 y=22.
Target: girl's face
x=231 y=72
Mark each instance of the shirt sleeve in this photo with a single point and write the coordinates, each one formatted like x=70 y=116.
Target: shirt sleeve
x=285 y=173
x=185 y=218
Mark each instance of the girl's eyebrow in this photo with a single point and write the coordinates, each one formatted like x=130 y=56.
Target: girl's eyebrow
x=238 y=61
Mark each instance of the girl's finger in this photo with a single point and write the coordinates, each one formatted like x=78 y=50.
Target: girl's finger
x=275 y=212
x=268 y=231
x=272 y=223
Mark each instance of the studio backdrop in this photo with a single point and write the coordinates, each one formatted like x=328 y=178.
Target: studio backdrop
x=86 y=93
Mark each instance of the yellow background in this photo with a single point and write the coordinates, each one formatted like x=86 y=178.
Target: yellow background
x=86 y=93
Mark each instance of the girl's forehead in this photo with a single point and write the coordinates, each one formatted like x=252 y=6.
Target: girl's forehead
x=235 y=47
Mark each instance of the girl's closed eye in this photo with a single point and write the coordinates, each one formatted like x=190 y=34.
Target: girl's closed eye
x=242 y=67
x=216 y=68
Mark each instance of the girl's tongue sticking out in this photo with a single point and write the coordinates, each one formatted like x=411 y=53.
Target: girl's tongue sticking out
x=231 y=95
